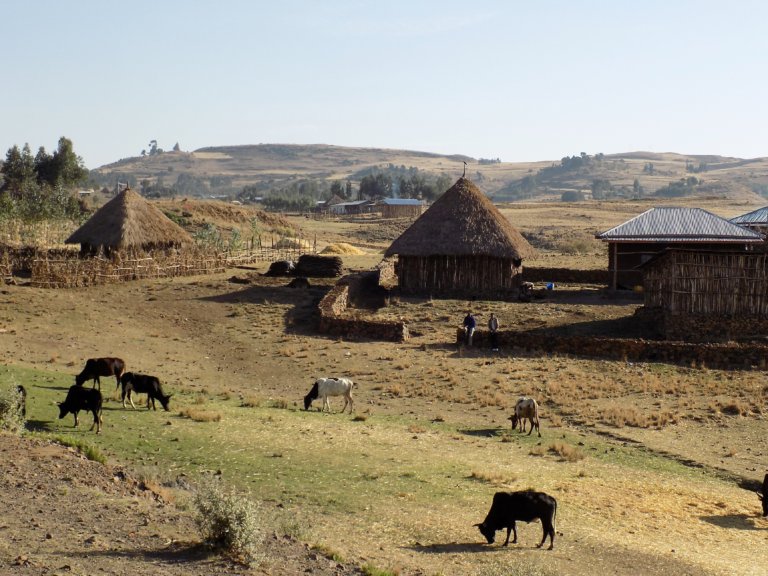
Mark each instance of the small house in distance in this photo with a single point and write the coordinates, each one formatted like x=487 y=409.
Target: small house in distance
x=401 y=207
x=639 y=239
x=353 y=207
x=700 y=295
x=128 y=222
x=461 y=246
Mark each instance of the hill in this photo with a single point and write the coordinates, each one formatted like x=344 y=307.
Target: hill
x=224 y=172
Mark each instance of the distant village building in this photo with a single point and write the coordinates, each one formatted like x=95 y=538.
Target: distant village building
x=461 y=246
x=700 y=295
x=401 y=207
x=128 y=222
x=354 y=207
x=639 y=239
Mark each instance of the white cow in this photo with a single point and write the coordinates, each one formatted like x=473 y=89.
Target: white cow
x=324 y=387
x=526 y=408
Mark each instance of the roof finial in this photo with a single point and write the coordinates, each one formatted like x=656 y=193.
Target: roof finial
x=465 y=169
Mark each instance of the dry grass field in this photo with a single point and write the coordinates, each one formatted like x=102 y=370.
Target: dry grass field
x=651 y=464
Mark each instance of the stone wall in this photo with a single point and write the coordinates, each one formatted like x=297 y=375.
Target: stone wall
x=711 y=355
x=337 y=320
x=704 y=327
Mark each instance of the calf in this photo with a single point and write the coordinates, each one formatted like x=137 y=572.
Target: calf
x=509 y=507
x=143 y=384
x=325 y=387
x=79 y=398
x=526 y=408
x=95 y=367
x=764 y=495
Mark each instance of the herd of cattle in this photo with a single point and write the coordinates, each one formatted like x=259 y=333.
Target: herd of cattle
x=90 y=400
x=507 y=508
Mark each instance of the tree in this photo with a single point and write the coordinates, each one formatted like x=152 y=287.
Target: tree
x=18 y=170
x=348 y=190
x=601 y=189
x=176 y=147
x=337 y=189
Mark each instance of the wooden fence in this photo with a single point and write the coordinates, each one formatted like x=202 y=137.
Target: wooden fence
x=74 y=271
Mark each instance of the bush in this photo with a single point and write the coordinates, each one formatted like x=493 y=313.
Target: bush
x=11 y=413
x=228 y=522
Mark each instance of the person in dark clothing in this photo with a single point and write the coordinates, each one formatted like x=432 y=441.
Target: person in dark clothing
x=469 y=327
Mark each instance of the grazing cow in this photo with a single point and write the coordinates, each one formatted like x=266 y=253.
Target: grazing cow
x=79 y=398
x=325 y=387
x=95 y=367
x=526 y=506
x=526 y=408
x=22 y=398
x=764 y=495
x=143 y=384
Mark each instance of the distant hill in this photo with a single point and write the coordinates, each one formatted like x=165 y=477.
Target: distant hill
x=225 y=170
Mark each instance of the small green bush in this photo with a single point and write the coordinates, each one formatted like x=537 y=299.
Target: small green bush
x=11 y=416
x=228 y=522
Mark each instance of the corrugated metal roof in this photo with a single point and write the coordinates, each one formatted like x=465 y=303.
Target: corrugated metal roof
x=674 y=224
x=759 y=216
x=402 y=202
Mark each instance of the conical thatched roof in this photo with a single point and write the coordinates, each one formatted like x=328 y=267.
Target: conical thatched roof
x=128 y=221
x=462 y=222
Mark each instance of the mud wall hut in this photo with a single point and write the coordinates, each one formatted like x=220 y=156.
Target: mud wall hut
x=128 y=222
x=461 y=246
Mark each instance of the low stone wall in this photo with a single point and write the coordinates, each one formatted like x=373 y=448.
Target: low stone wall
x=702 y=328
x=335 y=319
x=566 y=275
x=711 y=355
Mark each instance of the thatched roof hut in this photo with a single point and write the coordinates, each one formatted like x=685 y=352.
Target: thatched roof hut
x=129 y=222
x=461 y=246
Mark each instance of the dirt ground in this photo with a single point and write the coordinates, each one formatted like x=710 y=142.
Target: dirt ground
x=65 y=514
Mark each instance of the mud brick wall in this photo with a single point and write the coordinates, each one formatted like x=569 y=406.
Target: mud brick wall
x=335 y=320
x=565 y=275
x=712 y=355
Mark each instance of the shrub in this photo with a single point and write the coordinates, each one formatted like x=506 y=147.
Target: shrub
x=11 y=417
x=228 y=522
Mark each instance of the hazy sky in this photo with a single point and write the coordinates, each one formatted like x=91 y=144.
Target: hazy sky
x=517 y=80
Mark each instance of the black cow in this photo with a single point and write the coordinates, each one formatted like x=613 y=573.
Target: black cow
x=764 y=495
x=143 y=384
x=79 y=398
x=95 y=367
x=509 y=507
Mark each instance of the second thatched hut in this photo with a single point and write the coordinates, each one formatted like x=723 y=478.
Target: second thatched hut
x=461 y=246
x=128 y=222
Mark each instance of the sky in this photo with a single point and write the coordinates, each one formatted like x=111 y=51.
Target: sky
x=514 y=80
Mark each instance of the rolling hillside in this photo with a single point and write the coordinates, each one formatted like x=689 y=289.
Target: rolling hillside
x=224 y=171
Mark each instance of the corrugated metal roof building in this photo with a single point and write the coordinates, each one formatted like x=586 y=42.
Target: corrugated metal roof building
x=637 y=240
x=756 y=220
x=401 y=207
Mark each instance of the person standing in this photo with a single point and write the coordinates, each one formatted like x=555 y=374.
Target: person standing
x=493 y=327
x=469 y=327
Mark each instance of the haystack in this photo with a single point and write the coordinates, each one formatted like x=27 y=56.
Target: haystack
x=342 y=248
x=461 y=246
x=129 y=222
x=319 y=266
